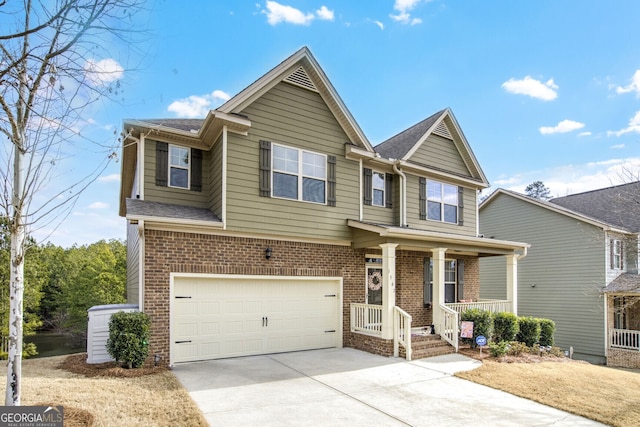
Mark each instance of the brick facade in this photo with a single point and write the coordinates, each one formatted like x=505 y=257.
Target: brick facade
x=179 y=252
x=619 y=357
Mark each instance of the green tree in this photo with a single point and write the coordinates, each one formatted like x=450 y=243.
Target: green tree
x=96 y=276
x=538 y=190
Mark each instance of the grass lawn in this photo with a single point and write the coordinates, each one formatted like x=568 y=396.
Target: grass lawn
x=149 y=400
x=610 y=396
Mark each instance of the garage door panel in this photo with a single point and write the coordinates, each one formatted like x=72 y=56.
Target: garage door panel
x=229 y=317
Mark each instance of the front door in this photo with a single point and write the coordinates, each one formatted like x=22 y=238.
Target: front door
x=374 y=285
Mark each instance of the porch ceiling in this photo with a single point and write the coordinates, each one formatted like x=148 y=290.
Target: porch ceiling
x=367 y=235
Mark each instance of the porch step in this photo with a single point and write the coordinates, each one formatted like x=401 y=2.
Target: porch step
x=427 y=346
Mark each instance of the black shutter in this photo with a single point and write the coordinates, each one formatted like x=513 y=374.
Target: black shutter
x=196 y=169
x=611 y=250
x=388 y=190
x=427 y=283
x=423 y=198
x=460 y=266
x=265 y=168
x=368 y=186
x=460 y=205
x=162 y=163
x=331 y=180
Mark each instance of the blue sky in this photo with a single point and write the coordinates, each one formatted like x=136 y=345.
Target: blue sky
x=543 y=90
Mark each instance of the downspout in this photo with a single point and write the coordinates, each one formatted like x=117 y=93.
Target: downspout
x=141 y=252
x=403 y=194
x=223 y=213
x=360 y=191
x=141 y=167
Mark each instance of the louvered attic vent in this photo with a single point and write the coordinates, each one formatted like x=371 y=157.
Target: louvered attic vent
x=442 y=130
x=300 y=78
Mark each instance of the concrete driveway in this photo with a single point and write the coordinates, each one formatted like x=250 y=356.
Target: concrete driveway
x=353 y=388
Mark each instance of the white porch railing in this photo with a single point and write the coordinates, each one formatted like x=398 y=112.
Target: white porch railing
x=366 y=319
x=624 y=338
x=449 y=327
x=493 y=306
x=401 y=332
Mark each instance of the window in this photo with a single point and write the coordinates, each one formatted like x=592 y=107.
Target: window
x=378 y=189
x=299 y=174
x=178 y=167
x=374 y=281
x=179 y=160
x=442 y=202
x=453 y=281
x=616 y=253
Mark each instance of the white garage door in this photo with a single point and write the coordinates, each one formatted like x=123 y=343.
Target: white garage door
x=217 y=317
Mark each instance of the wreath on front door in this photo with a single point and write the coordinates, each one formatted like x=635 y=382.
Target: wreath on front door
x=375 y=281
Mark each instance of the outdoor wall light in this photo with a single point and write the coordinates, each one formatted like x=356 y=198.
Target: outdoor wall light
x=267 y=253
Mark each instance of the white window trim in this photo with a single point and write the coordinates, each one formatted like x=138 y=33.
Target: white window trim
x=383 y=189
x=616 y=248
x=300 y=175
x=188 y=168
x=442 y=203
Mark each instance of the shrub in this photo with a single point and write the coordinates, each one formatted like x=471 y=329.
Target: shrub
x=529 y=331
x=498 y=349
x=128 y=338
x=547 y=329
x=517 y=348
x=482 y=324
x=505 y=326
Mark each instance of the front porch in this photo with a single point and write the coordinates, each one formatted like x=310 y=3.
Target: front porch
x=366 y=319
x=623 y=321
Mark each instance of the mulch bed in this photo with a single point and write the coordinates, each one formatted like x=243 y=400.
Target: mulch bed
x=77 y=363
x=474 y=353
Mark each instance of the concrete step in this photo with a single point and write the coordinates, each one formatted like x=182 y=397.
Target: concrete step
x=427 y=346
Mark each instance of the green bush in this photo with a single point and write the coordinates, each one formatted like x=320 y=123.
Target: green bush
x=129 y=337
x=529 y=331
x=482 y=324
x=505 y=326
x=498 y=349
x=517 y=348
x=547 y=329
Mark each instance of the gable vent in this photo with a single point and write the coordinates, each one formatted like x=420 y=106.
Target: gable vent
x=442 y=130
x=300 y=78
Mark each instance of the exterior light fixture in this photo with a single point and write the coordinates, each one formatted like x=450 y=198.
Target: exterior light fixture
x=267 y=253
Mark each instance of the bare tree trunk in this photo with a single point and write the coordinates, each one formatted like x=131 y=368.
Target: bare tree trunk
x=16 y=289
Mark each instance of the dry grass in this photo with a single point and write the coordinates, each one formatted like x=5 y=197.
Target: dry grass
x=109 y=395
x=607 y=395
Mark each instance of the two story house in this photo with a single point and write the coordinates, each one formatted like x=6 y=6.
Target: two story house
x=274 y=225
x=581 y=270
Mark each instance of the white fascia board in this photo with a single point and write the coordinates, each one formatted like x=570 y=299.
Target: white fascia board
x=174 y=221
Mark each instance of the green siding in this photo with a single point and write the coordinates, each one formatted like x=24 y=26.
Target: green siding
x=441 y=153
x=178 y=196
x=566 y=264
x=413 y=211
x=133 y=264
x=213 y=162
x=298 y=118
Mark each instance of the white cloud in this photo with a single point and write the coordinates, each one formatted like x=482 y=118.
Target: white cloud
x=325 y=14
x=196 y=106
x=634 y=86
x=277 y=13
x=617 y=146
x=114 y=177
x=634 y=126
x=98 y=205
x=532 y=87
x=585 y=134
x=403 y=16
x=379 y=24
x=570 y=179
x=103 y=72
x=562 y=127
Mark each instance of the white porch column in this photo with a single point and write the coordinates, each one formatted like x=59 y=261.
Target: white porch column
x=512 y=282
x=388 y=288
x=438 y=286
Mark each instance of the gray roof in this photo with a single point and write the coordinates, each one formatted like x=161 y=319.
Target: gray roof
x=180 y=124
x=618 y=205
x=143 y=208
x=399 y=145
x=626 y=282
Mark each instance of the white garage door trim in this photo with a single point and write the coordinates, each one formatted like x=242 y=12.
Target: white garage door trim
x=337 y=281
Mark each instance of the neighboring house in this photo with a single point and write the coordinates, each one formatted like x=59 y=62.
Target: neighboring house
x=274 y=225
x=581 y=270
